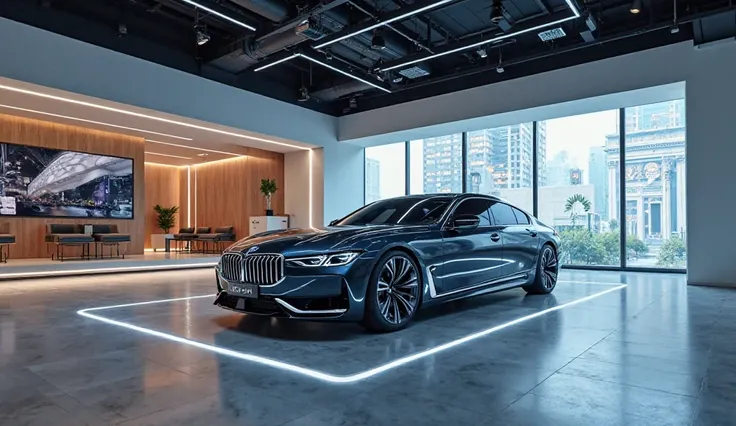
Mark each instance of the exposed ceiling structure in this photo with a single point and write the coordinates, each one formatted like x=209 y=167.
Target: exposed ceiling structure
x=346 y=56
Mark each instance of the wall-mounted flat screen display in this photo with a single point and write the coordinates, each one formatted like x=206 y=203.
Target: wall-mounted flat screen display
x=50 y=182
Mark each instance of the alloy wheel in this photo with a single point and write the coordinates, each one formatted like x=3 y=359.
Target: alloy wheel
x=549 y=268
x=398 y=290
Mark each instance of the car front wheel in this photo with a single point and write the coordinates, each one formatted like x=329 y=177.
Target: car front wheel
x=393 y=293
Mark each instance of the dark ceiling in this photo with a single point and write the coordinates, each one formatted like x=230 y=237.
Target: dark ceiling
x=313 y=53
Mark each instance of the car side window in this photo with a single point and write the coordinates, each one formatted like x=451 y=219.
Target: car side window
x=477 y=207
x=503 y=214
x=521 y=217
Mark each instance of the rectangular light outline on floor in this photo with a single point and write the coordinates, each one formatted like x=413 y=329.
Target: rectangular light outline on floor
x=575 y=15
x=318 y=62
x=221 y=15
x=330 y=378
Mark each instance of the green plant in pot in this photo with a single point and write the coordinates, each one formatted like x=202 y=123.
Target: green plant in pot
x=166 y=217
x=268 y=188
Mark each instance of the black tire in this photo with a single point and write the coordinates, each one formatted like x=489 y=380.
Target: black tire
x=393 y=294
x=545 y=279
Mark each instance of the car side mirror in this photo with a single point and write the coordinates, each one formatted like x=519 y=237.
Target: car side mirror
x=465 y=222
x=334 y=222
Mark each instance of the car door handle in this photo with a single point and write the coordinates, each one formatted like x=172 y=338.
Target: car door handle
x=532 y=232
x=495 y=237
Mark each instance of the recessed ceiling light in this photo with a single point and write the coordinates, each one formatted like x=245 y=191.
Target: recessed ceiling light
x=195 y=148
x=168 y=155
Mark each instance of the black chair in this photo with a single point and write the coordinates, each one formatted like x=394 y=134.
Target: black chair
x=64 y=235
x=184 y=235
x=108 y=235
x=202 y=230
x=218 y=239
x=6 y=239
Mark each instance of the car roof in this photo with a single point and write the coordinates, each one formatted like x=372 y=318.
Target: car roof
x=451 y=195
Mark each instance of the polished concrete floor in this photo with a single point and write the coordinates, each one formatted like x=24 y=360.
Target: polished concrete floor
x=653 y=353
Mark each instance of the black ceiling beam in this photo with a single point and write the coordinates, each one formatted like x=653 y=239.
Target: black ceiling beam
x=382 y=18
x=466 y=42
x=321 y=8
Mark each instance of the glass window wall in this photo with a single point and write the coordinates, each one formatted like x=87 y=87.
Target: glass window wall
x=385 y=171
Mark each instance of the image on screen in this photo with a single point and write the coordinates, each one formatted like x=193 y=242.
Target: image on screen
x=50 y=182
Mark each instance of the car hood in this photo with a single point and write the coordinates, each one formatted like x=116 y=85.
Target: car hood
x=298 y=242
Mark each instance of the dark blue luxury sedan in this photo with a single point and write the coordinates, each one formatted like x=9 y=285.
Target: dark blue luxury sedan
x=381 y=263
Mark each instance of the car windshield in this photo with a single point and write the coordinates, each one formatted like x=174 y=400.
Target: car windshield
x=400 y=211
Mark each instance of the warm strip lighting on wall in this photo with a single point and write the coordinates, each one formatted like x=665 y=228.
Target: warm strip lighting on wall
x=84 y=120
x=146 y=116
x=189 y=197
x=168 y=155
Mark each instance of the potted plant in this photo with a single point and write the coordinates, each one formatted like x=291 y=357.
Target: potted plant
x=165 y=219
x=268 y=188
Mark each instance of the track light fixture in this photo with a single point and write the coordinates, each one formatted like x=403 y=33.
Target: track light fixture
x=377 y=42
x=122 y=30
x=202 y=36
x=303 y=94
x=496 y=12
x=635 y=7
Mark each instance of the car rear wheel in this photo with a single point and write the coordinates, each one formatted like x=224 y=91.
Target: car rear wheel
x=545 y=279
x=393 y=293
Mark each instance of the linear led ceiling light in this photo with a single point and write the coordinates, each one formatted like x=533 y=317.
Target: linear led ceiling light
x=330 y=378
x=269 y=65
x=168 y=155
x=84 y=120
x=384 y=22
x=318 y=62
x=195 y=148
x=146 y=116
x=218 y=14
x=575 y=15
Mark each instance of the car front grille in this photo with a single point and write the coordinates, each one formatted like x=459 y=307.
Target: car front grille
x=262 y=269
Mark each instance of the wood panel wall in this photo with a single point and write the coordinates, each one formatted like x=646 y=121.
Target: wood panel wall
x=162 y=187
x=30 y=231
x=228 y=192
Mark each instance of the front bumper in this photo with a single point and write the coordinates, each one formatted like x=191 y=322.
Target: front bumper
x=318 y=296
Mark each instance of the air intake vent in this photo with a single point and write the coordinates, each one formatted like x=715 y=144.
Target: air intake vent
x=418 y=70
x=552 y=34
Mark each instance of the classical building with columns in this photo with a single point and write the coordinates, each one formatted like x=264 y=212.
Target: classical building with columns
x=654 y=171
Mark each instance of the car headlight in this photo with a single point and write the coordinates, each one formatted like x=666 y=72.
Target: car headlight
x=337 y=259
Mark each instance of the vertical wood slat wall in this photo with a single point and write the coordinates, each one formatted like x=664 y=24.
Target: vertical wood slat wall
x=30 y=231
x=221 y=193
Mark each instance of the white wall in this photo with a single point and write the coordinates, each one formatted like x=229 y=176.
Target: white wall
x=711 y=174
x=344 y=179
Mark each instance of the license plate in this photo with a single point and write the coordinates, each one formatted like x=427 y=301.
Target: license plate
x=244 y=290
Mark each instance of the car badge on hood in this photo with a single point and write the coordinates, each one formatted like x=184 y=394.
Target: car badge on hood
x=251 y=250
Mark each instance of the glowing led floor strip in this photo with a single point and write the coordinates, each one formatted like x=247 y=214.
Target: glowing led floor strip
x=318 y=374
x=92 y=271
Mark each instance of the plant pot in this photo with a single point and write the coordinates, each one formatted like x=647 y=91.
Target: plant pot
x=269 y=212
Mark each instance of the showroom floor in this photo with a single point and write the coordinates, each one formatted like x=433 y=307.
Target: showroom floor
x=653 y=353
